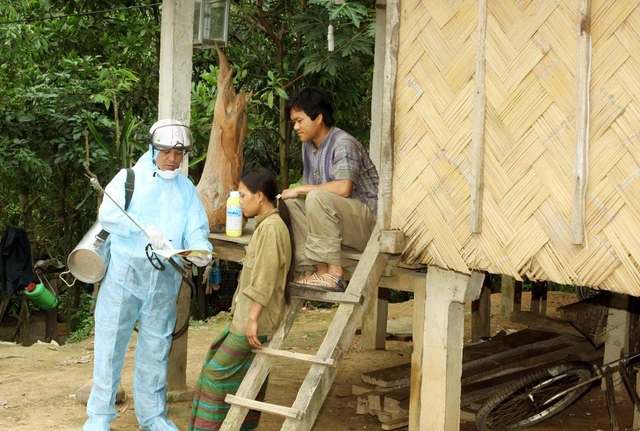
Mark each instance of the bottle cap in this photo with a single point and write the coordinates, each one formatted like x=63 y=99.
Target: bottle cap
x=31 y=287
x=235 y=194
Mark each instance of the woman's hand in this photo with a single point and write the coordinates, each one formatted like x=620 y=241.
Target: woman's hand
x=252 y=334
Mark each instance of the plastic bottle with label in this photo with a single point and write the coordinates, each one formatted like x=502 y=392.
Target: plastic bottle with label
x=234 y=215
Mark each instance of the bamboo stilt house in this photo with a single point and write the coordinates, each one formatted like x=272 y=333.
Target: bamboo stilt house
x=517 y=138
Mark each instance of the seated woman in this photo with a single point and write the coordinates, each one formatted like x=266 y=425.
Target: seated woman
x=258 y=304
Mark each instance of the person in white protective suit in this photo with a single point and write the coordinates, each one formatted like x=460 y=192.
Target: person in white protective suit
x=166 y=205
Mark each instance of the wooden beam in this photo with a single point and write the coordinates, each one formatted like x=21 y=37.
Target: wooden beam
x=479 y=108
x=583 y=79
x=392 y=241
x=392 y=38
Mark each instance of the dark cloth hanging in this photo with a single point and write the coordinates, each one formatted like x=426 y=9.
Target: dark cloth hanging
x=16 y=271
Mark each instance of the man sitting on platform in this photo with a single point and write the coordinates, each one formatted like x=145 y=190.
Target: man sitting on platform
x=341 y=187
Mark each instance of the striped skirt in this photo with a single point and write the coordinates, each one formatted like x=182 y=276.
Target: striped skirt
x=225 y=366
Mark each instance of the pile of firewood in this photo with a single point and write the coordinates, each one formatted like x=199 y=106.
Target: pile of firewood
x=487 y=368
x=385 y=394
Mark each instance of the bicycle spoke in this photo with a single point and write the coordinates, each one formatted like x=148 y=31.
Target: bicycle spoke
x=528 y=403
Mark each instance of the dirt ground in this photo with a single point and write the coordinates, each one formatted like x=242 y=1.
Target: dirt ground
x=38 y=383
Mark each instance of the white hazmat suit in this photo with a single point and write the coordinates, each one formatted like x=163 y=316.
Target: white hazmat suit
x=133 y=290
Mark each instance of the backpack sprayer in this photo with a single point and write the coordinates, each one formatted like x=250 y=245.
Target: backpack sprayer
x=99 y=256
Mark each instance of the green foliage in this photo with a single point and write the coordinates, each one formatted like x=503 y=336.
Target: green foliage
x=78 y=93
x=82 y=321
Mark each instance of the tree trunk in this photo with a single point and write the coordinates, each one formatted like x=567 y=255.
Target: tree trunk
x=225 y=152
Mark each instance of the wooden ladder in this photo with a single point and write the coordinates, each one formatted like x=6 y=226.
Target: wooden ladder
x=316 y=385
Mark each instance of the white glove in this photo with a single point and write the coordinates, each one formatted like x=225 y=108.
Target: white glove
x=157 y=238
x=200 y=260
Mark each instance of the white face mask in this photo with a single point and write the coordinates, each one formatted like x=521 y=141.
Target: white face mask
x=168 y=175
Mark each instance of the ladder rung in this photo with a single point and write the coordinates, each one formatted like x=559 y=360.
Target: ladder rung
x=264 y=407
x=309 y=293
x=293 y=355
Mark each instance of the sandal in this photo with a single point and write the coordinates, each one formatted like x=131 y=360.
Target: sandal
x=327 y=282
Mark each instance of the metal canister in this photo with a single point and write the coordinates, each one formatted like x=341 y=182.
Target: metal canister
x=88 y=261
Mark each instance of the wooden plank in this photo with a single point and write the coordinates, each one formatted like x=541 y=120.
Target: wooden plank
x=247 y=232
x=226 y=250
x=287 y=412
x=552 y=340
x=503 y=344
x=293 y=355
x=536 y=321
x=395 y=424
x=564 y=346
x=397 y=401
x=405 y=280
x=400 y=375
x=305 y=292
x=583 y=79
x=479 y=109
x=318 y=382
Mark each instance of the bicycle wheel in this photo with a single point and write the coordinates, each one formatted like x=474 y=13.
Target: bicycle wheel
x=528 y=401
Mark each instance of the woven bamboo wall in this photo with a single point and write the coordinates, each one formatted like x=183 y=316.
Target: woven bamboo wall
x=530 y=140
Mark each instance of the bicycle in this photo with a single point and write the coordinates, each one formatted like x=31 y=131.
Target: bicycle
x=546 y=392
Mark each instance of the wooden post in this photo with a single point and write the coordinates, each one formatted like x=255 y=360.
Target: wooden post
x=507 y=292
x=443 y=329
x=388 y=111
x=378 y=84
x=51 y=327
x=419 y=307
x=201 y=295
x=636 y=410
x=477 y=137
x=481 y=315
x=174 y=101
x=177 y=375
x=617 y=333
x=539 y=298
x=583 y=78
x=374 y=322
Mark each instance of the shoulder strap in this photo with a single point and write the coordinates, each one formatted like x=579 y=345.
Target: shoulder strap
x=129 y=185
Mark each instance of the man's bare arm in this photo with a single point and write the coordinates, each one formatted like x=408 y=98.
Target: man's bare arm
x=339 y=187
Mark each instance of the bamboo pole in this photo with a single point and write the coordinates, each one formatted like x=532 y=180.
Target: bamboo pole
x=583 y=78
x=479 y=108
